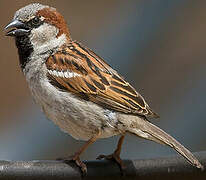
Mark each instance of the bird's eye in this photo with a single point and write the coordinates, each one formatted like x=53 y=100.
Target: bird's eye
x=35 y=22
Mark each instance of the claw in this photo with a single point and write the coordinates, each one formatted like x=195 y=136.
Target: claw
x=115 y=157
x=77 y=161
x=75 y=158
x=81 y=165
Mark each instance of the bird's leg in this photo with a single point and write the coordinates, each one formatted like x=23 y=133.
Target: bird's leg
x=116 y=154
x=76 y=158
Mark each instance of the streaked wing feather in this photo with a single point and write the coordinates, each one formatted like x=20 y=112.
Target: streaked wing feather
x=79 y=70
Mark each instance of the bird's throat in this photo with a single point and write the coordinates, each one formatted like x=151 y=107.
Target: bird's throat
x=24 y=50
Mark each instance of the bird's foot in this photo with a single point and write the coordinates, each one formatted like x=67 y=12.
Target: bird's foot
x=77 y=161
x=114 y=157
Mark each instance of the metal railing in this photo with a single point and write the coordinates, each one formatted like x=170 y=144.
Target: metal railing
x=166 y=168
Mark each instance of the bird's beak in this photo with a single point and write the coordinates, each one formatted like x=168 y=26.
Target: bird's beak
x=17 y=27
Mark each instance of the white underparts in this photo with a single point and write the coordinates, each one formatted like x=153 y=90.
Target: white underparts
x=111 y=118
x=63 y=74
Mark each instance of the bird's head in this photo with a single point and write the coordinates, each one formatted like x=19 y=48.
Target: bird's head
x=37 y=28
x=38 y=19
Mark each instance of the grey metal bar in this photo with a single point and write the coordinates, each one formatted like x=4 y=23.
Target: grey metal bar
x=166 y=168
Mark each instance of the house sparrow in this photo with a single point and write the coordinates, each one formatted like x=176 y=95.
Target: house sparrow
x=77 y=89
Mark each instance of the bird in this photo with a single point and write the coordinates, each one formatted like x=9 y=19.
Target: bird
x=79 y=91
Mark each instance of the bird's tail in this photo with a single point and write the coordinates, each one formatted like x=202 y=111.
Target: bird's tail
x=149 y=131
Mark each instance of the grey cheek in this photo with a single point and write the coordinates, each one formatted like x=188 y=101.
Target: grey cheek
x=43 y=34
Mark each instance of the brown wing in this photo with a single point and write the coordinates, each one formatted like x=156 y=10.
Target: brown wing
x=76 y=69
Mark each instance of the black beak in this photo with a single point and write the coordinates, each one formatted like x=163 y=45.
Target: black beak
x=17 y=27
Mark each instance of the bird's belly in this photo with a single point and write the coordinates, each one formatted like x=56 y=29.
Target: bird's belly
x=79 y=118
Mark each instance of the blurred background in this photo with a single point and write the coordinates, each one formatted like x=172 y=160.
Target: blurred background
x=158 y=45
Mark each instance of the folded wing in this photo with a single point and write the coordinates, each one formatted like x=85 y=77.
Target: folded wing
x=77 y=69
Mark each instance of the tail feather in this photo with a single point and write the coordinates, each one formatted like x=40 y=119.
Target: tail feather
x=149 y=131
